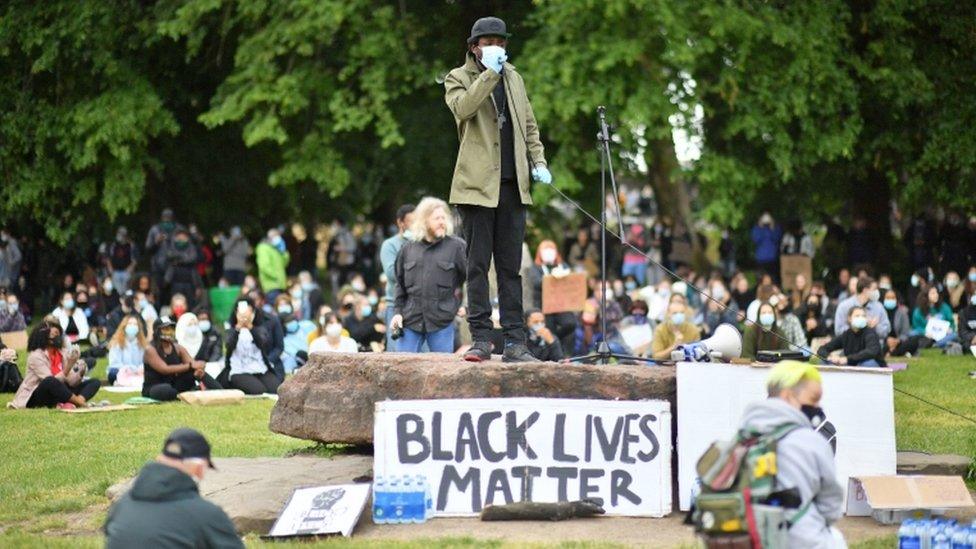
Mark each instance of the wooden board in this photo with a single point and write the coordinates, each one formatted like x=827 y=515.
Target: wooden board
x=564 y=294
x=98 y=409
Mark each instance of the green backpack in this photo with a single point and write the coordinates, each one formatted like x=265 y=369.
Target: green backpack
x=734 y=508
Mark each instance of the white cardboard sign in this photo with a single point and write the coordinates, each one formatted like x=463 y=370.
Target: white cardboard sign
x=476 y=452
x=858 y=401
x=321 y=510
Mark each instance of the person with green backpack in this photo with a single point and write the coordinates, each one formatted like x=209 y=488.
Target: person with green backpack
x=775 y=485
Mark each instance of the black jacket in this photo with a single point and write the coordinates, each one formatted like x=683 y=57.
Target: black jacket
x=967 y=326
x=546 y=352
x=858 y=346
x=429 y=279
x=212 y=347
x=164 y=509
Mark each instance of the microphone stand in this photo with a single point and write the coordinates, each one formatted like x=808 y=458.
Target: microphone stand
x=603 y=353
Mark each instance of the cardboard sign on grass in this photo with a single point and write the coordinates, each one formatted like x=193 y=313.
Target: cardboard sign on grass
x=322 y=510
x=866 y=495
x=478 y=452
x=858 y=401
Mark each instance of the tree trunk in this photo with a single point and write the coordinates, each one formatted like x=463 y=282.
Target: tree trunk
x=671 y=194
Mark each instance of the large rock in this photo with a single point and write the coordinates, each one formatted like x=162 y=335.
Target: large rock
x=252 y=491
x=920 y=463
x=331 y=398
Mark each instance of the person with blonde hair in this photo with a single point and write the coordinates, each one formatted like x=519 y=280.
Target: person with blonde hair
x=125 y=353
x=804 y=457
x=430 y=272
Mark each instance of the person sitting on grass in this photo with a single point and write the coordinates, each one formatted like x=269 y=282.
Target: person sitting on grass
x=11 y=317
x=332 y=340
x=74 y=323
x=859 y=344
x=55 y=376
x=930 y=305
x=126 y=353
x=675 y=331
x=212 y=347
x=764 y=336
x=541 y=342
x=248 y=367
x=164 y=508
x=967 y=323
x=169 y=368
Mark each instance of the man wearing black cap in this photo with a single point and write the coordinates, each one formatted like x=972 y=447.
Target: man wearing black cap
x=499 y=155
x=164 y=507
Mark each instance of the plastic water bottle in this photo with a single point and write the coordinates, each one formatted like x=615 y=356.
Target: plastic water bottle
x=397 y=504
x=962 y=539
x=923 y=528
x=942 y=539
x=428 y=498
x=419 y=499
x=409 y=497
x=908 y=537
x=381 y=498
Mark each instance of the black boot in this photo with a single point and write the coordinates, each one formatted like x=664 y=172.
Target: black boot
x=518 y=352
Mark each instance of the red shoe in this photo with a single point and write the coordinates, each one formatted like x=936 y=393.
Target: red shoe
x=66 y=406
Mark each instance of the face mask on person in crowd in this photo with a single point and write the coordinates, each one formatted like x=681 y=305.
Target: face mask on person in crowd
x=292 y=326
x=767 y=319
x=131 y=331
x=13 y=307
x=890 y=304
x=276 y=240
x=677 y=318
x=182 y=244
x=548 y=255
x=972 y=277
x=815 y=414
x=373 y=300
x=915 y=281
x=537 y=327
x=718 y=293
x=178 y=310
x=205 y=326
x=57 y=341
x=367 y=310
x=108 y=286
x=630 y=285
x=140 y=305
x=884 y=286
x=308 y=286
x=952 y=283
x=859 y=322
x=68 y=303
x=408 y=234
x=609 y=294
x=296 y=293
x=333 y=330
x=875 y=295
x=284 y=309
x=358 y=285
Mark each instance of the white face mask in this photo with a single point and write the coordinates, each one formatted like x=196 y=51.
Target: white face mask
x=333 y=330
x=548 y=255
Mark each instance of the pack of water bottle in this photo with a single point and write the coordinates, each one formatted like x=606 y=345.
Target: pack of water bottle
x=936 y=534
x=401 y=499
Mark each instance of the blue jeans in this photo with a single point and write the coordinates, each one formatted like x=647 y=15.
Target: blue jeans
x=944 y=342
x=391 y=345
x=871 y=363
x=637 y=270
x=440 y=341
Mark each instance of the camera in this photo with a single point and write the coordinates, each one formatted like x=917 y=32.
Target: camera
x=397 y=333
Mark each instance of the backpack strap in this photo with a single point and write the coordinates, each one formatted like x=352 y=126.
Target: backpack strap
x=799 y=514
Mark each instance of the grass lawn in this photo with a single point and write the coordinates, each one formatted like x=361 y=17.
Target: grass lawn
x=55 y=467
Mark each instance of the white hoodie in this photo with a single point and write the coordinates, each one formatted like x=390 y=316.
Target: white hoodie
x=804 y=460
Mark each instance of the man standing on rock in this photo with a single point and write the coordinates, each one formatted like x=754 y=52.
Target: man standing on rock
x=164 y=507
x=500 y=150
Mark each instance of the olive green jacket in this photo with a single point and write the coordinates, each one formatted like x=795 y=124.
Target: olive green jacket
x=477 y=174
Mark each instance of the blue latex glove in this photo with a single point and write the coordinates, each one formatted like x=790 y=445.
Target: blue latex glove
x=493 y=57
x=541 y=174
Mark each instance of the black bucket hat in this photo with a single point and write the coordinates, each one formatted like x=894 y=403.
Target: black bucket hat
x=487 y=26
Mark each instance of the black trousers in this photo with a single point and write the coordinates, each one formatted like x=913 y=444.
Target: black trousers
x=254 y=384
x=497 y=232
x=184 y=382
x=52 y=391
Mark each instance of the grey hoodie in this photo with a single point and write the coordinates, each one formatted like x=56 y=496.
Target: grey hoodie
x=805 y=461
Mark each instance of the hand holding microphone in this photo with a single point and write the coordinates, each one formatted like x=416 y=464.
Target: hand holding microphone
x=493 y=57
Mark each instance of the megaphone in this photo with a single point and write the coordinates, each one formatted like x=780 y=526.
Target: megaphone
x=725 y=344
